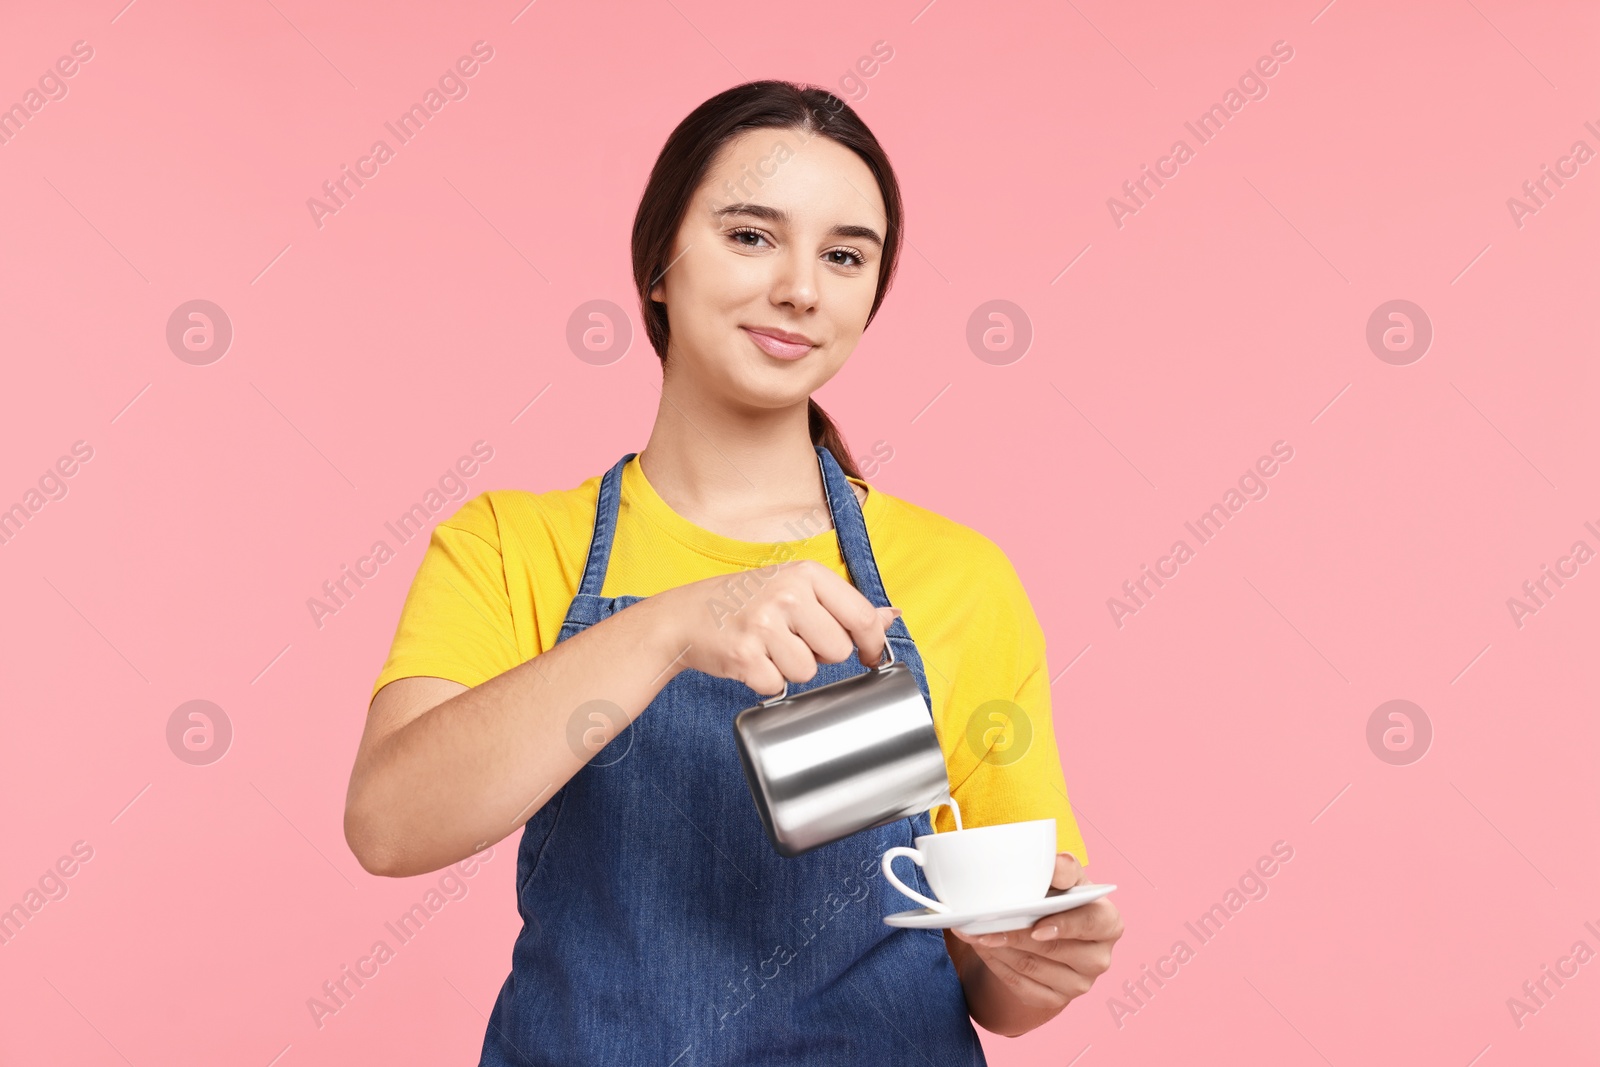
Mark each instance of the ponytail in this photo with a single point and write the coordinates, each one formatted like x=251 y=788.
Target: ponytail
x=826 y=434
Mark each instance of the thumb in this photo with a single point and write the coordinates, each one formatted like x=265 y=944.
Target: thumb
x=886 y=617
x=1068 y=871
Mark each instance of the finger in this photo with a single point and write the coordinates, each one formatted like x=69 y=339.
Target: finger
x=873 y=654
x=1016 y=939
x=1088 y=958
x=1068 y=871
x=765 y=678
x=864 y=623
x=1036 y=980
x=792 y=656
x=886 y=617
x=828 y=641
x=1099 y=921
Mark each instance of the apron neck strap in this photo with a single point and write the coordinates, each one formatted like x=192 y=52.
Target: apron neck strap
x=845 y=510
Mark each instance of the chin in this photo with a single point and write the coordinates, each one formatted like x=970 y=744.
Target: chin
x=763 y=394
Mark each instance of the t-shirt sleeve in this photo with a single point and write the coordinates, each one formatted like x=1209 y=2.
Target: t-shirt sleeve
x=456 y=622
x=1020 y=775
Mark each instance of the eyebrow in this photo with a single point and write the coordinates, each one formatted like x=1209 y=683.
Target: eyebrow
x=782 y=218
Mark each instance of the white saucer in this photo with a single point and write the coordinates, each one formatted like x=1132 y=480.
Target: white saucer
x=996 y=920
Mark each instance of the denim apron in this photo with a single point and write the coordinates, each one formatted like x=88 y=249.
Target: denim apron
x=660 y=926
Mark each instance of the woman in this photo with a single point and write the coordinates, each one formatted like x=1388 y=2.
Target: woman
x=572 y=660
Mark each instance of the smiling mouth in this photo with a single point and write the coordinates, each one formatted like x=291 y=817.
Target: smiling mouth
x=777 y=346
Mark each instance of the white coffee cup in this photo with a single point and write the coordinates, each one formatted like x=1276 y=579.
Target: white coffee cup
x=984 y=868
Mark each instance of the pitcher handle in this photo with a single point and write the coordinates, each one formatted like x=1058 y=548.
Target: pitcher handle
x=886 y=661
x=888 y=872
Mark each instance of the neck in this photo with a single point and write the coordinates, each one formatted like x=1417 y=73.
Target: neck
x=743 y=473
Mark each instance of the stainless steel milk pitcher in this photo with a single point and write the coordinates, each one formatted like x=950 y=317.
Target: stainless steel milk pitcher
x=843 y=757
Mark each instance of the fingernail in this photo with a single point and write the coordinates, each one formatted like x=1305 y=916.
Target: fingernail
x=1044 y=933
x=991 y=940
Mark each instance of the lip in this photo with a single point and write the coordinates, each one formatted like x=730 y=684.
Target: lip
x=780 y=343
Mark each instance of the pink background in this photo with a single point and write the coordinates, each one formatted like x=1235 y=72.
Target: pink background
x=1229 y=313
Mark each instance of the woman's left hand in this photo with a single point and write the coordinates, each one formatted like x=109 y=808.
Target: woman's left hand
x=1057 y=959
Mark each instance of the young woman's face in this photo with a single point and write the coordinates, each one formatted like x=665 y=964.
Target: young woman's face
x=784 y=237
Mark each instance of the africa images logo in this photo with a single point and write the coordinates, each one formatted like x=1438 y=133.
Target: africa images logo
x=1252 y=485
x=1252 y=85
x=452 y=85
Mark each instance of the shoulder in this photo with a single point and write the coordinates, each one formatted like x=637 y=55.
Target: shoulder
x=942 y=540
x=511 y=518
x=923 y=552
x=963 y=601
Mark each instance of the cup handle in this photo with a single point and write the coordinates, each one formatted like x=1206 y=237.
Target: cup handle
x=888 y=872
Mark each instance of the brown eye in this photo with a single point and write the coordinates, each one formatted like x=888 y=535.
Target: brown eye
x=746 y=232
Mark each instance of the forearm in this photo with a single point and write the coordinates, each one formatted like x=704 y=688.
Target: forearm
x=990 y=1002
x=480 y=764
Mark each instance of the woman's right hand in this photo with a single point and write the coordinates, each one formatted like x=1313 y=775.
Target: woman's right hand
x=762 y=627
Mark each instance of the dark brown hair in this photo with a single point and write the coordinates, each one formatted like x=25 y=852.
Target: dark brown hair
x=688 y=155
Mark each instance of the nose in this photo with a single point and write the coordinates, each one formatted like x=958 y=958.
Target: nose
x=795 y=285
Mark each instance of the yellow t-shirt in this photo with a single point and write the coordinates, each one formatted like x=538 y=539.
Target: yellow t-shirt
x=498 y=576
